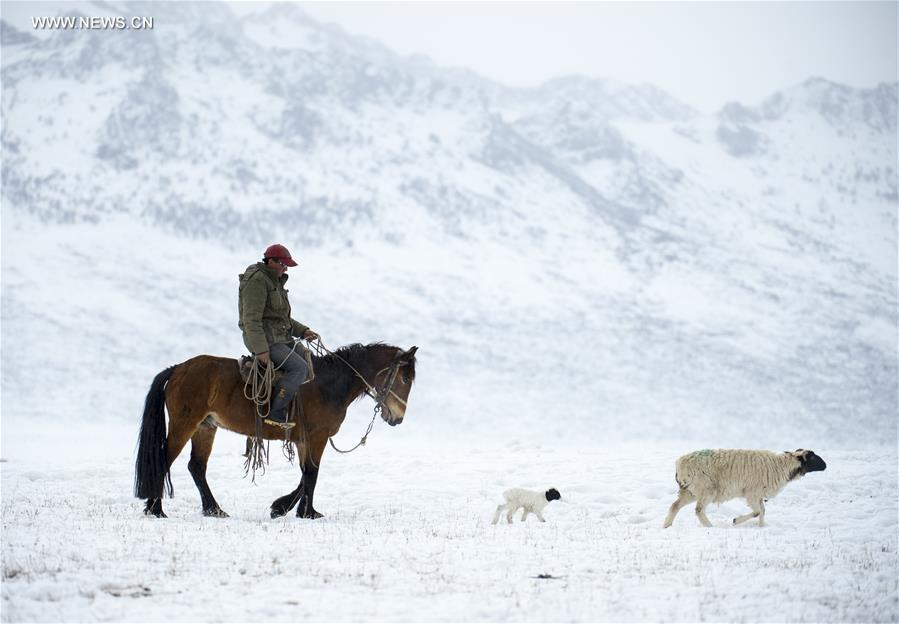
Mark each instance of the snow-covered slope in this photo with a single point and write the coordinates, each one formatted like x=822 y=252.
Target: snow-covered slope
x=406 y=539
x=598 y=278
x=582 y=259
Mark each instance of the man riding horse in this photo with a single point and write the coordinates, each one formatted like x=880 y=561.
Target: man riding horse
x=206 y=393
x=268 y=330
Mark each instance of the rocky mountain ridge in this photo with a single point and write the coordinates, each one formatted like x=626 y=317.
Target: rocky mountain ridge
x=694 y=262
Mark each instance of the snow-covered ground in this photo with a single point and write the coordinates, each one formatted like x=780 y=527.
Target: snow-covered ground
x=598 y=280
x=407 y=536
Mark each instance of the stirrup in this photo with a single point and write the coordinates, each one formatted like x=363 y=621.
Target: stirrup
x=284 y=424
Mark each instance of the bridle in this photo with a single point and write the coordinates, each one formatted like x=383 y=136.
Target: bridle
x=379 y=393
x=382 y=393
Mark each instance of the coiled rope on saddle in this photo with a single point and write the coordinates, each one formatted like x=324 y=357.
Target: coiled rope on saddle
x=258 y=389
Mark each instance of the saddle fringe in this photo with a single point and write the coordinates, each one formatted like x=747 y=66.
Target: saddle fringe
x=257 y=451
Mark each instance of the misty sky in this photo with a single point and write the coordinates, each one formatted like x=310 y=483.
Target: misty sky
x=705 y=53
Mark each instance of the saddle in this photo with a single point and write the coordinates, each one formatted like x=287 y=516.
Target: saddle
x=247 y=369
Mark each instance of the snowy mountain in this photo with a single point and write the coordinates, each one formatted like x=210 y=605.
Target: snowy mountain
x=586 y=258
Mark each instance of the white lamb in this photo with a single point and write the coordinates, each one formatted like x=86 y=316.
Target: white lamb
x=716 y=476
x=533 y=503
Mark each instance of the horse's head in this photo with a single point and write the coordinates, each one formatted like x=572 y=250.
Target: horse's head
x=393 y=384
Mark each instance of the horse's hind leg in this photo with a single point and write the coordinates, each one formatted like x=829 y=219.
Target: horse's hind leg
x=181 y=428
x=154 y=508
x=200 y=448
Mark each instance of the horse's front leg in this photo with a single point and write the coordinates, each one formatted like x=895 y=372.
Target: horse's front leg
x=303 y=494
x=300 y=495
x=310 y=477
x=282 y=505
x=307 y=484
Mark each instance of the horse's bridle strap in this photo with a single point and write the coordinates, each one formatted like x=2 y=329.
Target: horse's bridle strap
x=388 y=387
x=377 y=395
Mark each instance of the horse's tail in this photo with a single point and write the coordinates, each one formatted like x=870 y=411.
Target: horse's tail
x=151 y=471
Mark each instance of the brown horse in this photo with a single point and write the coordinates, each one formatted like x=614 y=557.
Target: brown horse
x=206 y=392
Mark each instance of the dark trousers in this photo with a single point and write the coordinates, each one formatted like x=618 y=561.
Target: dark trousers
x=294 y=369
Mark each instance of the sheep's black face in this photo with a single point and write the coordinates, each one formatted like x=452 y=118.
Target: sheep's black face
x=553 y=494
x=811 y=462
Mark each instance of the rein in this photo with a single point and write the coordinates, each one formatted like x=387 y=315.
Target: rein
x=258 y=389
x=379 y=395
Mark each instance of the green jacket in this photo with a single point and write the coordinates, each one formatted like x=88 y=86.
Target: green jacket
x=264 y=309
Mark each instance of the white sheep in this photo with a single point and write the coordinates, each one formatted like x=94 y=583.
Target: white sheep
x=716 y=476
x=533 y=502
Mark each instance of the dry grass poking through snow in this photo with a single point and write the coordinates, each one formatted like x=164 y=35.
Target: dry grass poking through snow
x=408 y=537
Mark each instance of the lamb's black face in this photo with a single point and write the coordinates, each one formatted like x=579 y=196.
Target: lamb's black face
x=553 y=494
x=810 y=462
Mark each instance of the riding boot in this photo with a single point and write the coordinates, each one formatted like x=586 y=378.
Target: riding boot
x=278 y=414
x=294 y=370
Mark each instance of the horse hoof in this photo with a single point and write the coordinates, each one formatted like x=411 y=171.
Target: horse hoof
x=215 y=513
x=277 y=513
x=154 y=508
x=312 y=515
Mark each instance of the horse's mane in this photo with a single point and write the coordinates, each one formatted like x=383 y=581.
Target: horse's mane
x=335 y=380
